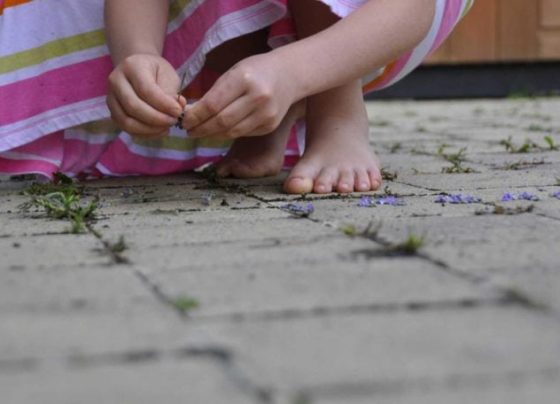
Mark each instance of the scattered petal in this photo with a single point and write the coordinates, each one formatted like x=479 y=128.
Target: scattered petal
x=390 y=200
x=528 y=196
x=299 y=210
x=556 y=195
x=368 y=202
x=523 y=196
x=457 y=199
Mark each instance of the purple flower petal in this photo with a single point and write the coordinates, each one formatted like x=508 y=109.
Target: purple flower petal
x=507 y=197
x=528 y=196
x=366 y=202
x=457 y=199
x=556 y=195
x=389 y=200
x=302 y=210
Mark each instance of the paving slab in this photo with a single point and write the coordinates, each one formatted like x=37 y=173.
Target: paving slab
x=316 y=353
x=290 y=288
x=307 y=309
x=194 y=381
x=513 y=389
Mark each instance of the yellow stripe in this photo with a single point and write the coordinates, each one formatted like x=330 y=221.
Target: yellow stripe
x=51 y=50
x=177 y=7
x=65 y=46
x=101 y=127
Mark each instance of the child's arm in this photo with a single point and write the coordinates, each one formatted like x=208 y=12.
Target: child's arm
x=142 y=87
x=374 y=35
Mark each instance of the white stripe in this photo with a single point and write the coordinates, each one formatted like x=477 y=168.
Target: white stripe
x=43 y=21
x=22 y=132
x=183 y=15
x=28 y=156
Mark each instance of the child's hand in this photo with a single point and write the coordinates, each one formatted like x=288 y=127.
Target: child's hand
x=251 y=99
x=142 y=96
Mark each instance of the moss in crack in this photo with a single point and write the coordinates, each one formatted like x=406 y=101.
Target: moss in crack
x=185 y=304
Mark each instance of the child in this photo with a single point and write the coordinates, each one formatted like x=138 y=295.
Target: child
x=55 y=120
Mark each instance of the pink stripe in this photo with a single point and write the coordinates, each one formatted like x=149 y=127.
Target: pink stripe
x=49 y=146
x=191 y=33
x=14 y=167
x=451 y=15
x=54 y=89
x=80 y=155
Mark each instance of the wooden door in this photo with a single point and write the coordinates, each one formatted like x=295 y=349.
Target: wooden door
x=505 y=31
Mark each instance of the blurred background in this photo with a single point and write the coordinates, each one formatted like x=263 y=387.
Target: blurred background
x=502 y=48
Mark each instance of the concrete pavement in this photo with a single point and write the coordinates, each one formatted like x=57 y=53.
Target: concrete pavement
x=184 y=289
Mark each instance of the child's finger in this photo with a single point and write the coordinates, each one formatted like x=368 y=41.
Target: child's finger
x=246 y=128
x=137 y=108
x=227 y=119
x=152 y=94
x=223 y=93
x=130 y=124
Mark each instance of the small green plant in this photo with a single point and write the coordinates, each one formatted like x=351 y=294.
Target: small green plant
x=119 y=246
x=441 y=148
x=60 y=205
x=409 y=246
x=551 y=143
x=526 y=147
x=456 y=159
x=185 y=304
x=349 y=230
x=395 y=147
x=61 y=199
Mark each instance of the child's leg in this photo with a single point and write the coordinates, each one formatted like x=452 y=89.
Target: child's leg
x=259 y=156
x=337 y=154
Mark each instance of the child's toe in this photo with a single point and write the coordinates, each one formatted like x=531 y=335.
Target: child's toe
x=345 y=182
x=325 y=181
x=362 y=181
x=375 y=178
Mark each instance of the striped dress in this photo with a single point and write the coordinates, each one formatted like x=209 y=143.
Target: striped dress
x=54 y=66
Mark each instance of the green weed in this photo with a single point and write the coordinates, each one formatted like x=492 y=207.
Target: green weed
x=60 y=200
x=185 y=304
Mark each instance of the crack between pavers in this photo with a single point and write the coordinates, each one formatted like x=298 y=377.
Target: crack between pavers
x=260 y=394
x=357 y=309
x=510 y=294
x=450 y=383
x=224 y=358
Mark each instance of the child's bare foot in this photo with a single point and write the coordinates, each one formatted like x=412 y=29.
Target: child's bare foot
x=254 y=157
x=337 y=156
x=260 y=156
